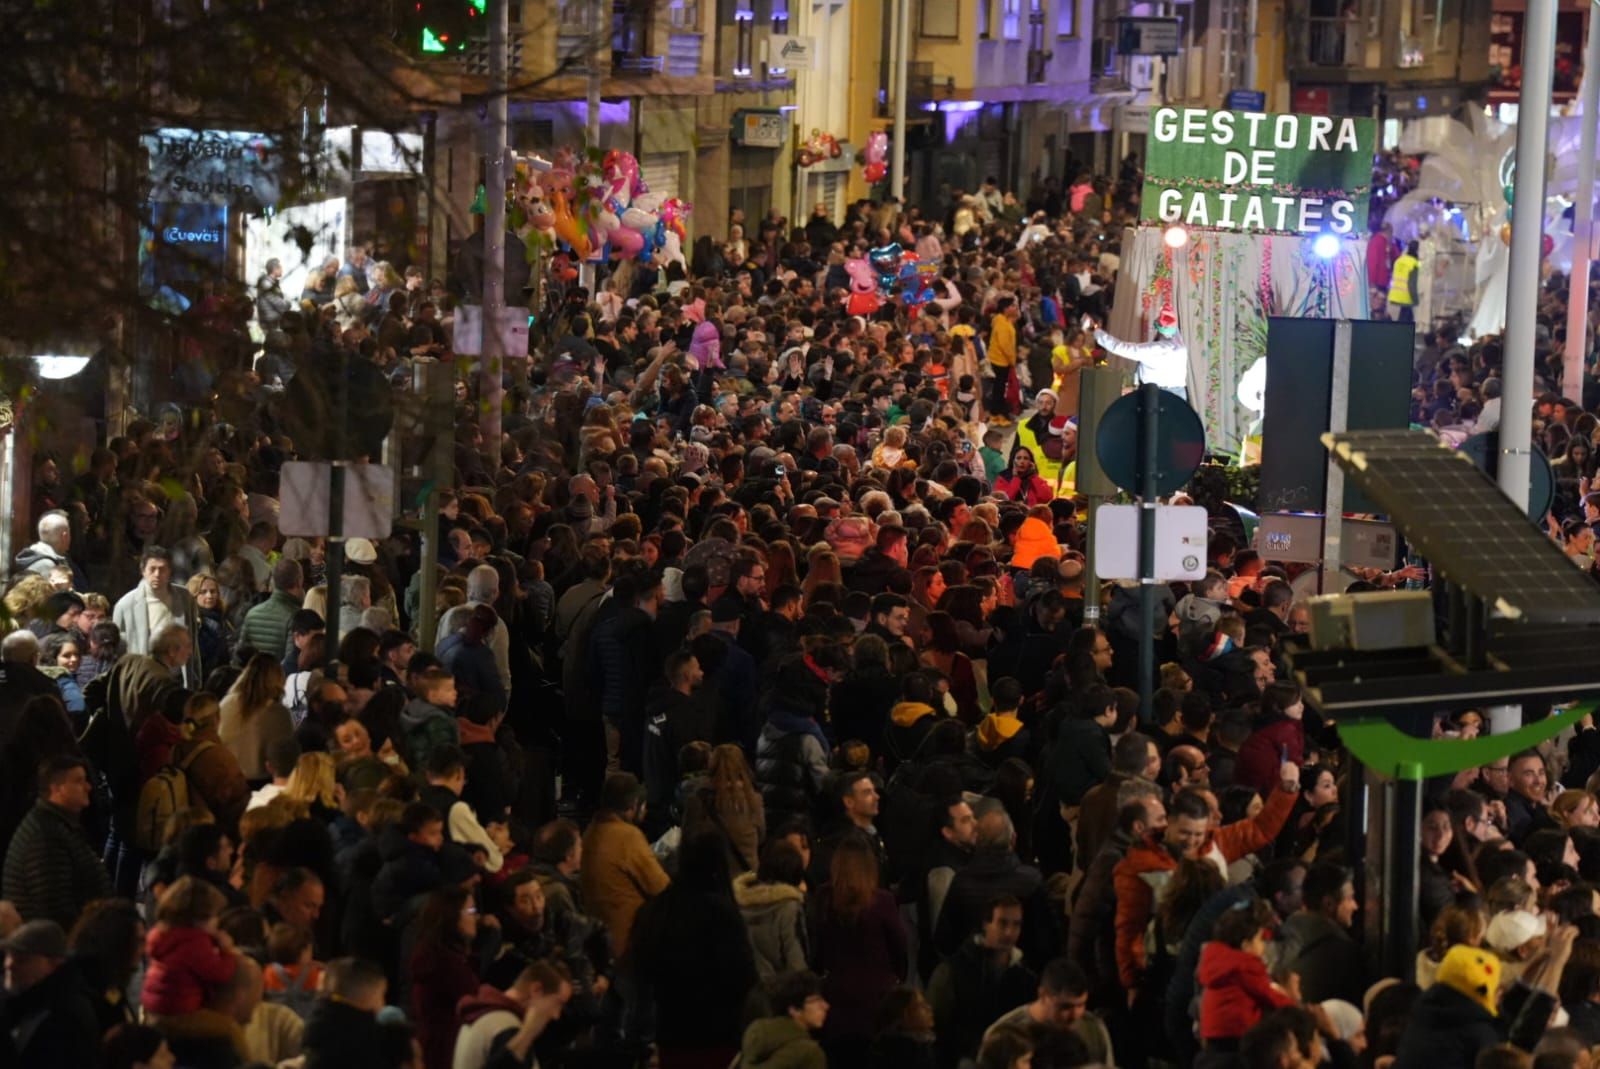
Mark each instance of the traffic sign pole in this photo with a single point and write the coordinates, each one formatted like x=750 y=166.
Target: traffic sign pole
x=1149 y=448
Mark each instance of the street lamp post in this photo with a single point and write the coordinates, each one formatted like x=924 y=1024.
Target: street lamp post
x=1527 y=234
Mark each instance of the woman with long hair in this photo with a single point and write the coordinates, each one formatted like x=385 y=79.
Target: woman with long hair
x=859 y=944
x=253 y=716
x=312 y=785
x=689 y=943
x=1276 y=736
x=822 y=567
x=943 y=651
x=216 y=630
x=772 y=901
x=728 y=802
x=781 y=567
x=964 y=603
x=107 y=945
x=441 y=970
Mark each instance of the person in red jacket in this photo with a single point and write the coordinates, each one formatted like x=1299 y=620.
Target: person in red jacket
x=1236 y=989
x=1021 y=481
x=1277 y=736
x=189 y=957
x=1140 y=876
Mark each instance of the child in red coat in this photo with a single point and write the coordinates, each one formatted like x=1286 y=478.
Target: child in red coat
x=1236 y=990
x=189 y=956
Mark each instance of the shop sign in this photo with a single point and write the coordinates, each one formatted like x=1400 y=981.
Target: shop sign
x=1258 y=171
x=223 y=167
x=762 y=128
x=792 y=53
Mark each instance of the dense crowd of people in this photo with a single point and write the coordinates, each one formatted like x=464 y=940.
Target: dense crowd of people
x=764 y=716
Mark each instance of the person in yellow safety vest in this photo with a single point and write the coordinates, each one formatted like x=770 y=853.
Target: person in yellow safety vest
x=1403 y=285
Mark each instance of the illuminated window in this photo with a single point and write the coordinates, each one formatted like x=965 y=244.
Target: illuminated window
x=744 y=21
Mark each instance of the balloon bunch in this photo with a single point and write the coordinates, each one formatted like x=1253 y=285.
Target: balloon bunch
x=597 y=204
x=885 y=260
x=863 y=299
x=818 y=147
x=877 y=148
x=916 y=281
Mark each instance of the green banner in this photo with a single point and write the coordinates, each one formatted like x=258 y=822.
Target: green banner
x=1258 y=171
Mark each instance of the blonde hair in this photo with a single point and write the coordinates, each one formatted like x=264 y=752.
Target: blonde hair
x=1567 y=803
x=312 y=780
x=26 y=599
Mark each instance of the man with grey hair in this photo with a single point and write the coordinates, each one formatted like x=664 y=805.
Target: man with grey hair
x=55 y=540
x=483 y=588
x=355 y=598
x=994 y=871
x=19 y=647
x=172 y=647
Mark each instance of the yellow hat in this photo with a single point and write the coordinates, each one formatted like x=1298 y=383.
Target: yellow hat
x=1473 y=972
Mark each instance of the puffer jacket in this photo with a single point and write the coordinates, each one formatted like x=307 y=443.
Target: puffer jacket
x=791 y=765
x=50 y=871
x=184 y=964
x=775 y=916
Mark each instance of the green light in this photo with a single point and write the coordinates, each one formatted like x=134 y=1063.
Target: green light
x=483 y=5
x=430 y=43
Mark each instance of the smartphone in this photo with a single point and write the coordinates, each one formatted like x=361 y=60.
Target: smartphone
x=780 y=471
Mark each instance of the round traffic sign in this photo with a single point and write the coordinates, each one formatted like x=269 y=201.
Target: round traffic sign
x=1180 y=441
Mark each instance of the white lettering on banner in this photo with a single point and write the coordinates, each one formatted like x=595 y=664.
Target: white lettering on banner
x=1171 y=205
x=172 y=236
x=1250 y=143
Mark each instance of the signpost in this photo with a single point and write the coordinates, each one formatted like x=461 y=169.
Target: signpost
x=1149 y=37
x=1171 y=446
x=1258 y=171
x=1245 y=100
x=791 y=53
x=760 y=128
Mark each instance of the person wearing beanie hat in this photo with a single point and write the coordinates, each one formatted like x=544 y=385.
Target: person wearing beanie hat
x=48 y=1015
x=59 y=613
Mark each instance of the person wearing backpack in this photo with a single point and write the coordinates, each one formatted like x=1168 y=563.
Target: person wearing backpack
x=213 y=772
x=292 y=978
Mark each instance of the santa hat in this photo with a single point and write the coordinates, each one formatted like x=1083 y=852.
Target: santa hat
x=1058 y=426
x=1167 y=321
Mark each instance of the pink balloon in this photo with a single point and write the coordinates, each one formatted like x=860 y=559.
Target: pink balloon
x=626 y=243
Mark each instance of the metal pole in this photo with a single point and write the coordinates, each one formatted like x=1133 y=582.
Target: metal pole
x=341 y=458
x=1405 y=828
x=1149 y=446
x=491 y=387
x=435 y=382
x=902 y=47
x=1522 y=297
x=1333 y=499
x=1583 y=221
x=592 y=117
x=1250 y=44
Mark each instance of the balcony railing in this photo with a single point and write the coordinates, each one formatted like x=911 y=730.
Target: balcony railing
x=1333 y=42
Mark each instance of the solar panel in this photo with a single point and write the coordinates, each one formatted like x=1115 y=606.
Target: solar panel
x=1470 y=532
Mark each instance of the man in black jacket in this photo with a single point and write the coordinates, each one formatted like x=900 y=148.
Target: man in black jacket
x=50 y=871
x=994 y=871
x=342 y=1031
x=47 y=1018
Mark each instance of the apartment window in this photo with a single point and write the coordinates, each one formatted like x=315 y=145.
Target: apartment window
x=574 y=15
x=942 y=18
x=1066 y=18
x=684 y=15
x=780 y=25
x=985 y=17
x=744 y=22
x=1011 y=19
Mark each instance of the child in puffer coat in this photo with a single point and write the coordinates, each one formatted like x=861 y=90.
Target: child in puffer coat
x=1236 y=989
x=1198 y=613
x=189 y=957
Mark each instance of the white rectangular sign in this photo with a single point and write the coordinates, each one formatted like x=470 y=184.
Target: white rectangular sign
x=786 y=52
x=1181 y=536
x=305 y=488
